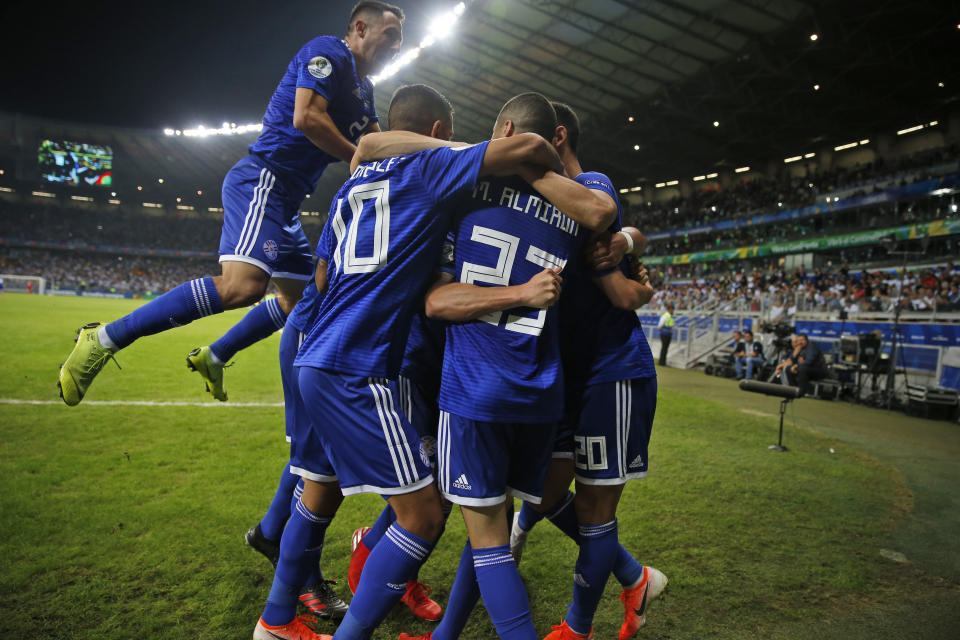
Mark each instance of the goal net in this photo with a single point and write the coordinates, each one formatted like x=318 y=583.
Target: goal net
x=23 y=284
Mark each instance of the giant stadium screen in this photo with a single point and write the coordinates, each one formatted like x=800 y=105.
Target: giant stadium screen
x=76 y=162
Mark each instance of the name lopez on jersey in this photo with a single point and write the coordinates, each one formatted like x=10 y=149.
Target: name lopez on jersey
x=517 y=200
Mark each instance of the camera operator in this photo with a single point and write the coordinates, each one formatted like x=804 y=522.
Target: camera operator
x=806 y=363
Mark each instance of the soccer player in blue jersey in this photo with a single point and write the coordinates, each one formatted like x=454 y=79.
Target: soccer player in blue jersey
x=324 y=102
x=611 y=395
x=378 y=252
x=317 y=594
x=501 y=394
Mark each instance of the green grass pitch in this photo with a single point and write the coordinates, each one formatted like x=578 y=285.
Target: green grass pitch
x=123 y=521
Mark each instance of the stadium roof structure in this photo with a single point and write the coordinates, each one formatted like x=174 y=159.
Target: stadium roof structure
x=665 y=88
x=676 y=67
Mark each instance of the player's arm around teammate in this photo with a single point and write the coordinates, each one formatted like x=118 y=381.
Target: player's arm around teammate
x=461 y=302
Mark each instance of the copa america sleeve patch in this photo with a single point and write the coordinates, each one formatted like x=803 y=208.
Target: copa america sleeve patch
x=319 y=67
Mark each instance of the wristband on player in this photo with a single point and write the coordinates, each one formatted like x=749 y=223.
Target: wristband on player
x=629 y=239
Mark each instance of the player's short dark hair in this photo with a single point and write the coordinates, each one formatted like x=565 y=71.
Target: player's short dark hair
x=529 y=112
x=748 y=331
x=372 y=7
x=415 y=107
x=567 y=118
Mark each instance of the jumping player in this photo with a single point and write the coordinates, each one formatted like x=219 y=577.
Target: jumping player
x=324 y=102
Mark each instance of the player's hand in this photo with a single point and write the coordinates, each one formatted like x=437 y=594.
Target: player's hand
x=606 y=251
x=543 y=290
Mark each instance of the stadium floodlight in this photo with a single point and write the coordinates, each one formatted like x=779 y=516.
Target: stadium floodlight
x=82 y=198
x=934 y=123
x=160 y=180
x=43 y=194
x=716 y=123
x=741 y=169
x=863 y=142
x=671 y=183
x=660 y=185
x=139 y=187
x=699 y=178
x=215 y=209
x=809 y=155
x=910 y=129
x=849 y=145
x=816 y=87
x=636 y=147
x=6 y=189
x=199 y=192
x=226 y=129
x=624 y=190
x=940 y=84
x=630 y=118
x=814 y=37
x=636 y=188
x=440 y=27
x=113 y=201
x=792 y=159
x=153 y=205
x=711 y=175
x=184 y=207
x=168 y=131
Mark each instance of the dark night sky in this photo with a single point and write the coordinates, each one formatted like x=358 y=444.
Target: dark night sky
x=158 y=64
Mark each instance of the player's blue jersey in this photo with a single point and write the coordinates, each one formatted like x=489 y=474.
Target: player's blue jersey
x=305 y=311
x=384 y=237
x=423 y=359
x=505 y=367
x=601 y=343
x=326 y=65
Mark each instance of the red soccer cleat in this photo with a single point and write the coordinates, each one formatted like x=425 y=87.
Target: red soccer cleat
x=358 y=558
x=420 y=603
x=563 y=632
x=295 y=630
x=635 y=601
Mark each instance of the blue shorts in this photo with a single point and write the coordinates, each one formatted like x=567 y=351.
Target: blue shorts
x=261 y=224
x=481 y=463
x=421 y=410
x=359 y=425
x=606 y=430
x=307 y=456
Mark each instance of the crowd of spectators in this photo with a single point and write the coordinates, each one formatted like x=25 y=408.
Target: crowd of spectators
x=779 y=294
x=87 y=271
x=76 y=227
x=860 y=219
x=763 y=194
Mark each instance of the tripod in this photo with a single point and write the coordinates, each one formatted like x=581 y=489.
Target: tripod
x=888 y=395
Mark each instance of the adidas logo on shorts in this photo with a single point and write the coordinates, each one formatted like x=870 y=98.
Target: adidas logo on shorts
x=637 y=462
x=581 y=581
x=462 y=483
x=397 y=587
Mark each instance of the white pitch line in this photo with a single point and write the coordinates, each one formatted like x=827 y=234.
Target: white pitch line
x=146 y=403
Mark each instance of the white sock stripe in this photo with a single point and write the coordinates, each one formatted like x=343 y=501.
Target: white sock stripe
x=388 y=393
x=404 y=545
x=276 y=312
x=406 y=537
x=388 y=440
x=309 y=515
x=250 y=209
x=260 y=215
x=591 y=531
x=205 y=294
x=196 y=297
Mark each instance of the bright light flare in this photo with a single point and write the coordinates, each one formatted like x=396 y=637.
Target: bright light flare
x=440 y=28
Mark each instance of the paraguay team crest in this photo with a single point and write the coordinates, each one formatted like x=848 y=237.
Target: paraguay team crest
x=319 y=67
x=270 y=250
x=428 y=449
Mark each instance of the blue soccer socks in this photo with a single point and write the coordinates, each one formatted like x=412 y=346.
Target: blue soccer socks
x=392 y=563
x=598 y=553
x=300 y=548
x=280 y=507
x=503 y=593
x=259 y=323
x=177 y=307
